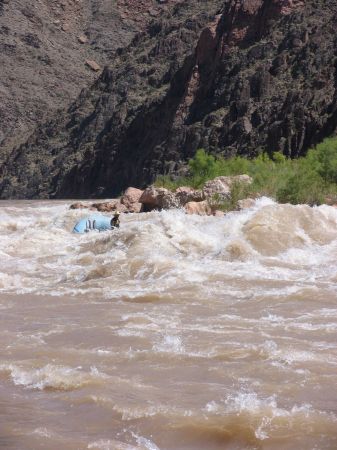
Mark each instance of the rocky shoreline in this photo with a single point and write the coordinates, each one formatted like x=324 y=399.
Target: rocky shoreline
x=206 y=201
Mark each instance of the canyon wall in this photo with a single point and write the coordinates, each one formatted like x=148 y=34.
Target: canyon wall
x=233 y=77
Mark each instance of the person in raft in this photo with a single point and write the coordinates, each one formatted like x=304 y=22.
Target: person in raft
x=98 y=223
x=115 y=222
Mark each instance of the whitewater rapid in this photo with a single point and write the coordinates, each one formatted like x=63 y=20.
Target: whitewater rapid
x=173 y=332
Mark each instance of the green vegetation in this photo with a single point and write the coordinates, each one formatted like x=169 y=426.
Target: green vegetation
x=311 y=179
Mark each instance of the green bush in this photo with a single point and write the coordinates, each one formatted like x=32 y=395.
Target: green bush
x=239 y=191
x=310 y=179
x=325 y=157
x=233 y=166
x=203 y=167
x=302 y=187
x=167 y=182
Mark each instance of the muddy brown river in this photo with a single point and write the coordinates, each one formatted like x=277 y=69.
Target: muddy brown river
x=174 y=332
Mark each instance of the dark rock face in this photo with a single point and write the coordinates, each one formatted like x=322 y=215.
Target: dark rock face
x=42 y=60
x=231 y=77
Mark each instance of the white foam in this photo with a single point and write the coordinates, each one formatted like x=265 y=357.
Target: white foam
x=53 y=377
x=146 y=443
x=249 y=401
x=157 y=252
x=265 y=412
x=108 y=444
x=170 y=344
x=44 y=432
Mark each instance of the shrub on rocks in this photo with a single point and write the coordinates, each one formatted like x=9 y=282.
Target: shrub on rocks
x=221 y=187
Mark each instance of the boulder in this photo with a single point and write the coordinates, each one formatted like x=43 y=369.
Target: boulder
x=121 y=208
x=201 y=208
x=170 y=201
x=186 y=194
x=158 y=198
x=219 y=189
x=161 y=198
x=109 y=206
x=82 y=39
x=246 y=203
x=93 y=65
x=150 y=197
x=130 y=199
x=78 y=205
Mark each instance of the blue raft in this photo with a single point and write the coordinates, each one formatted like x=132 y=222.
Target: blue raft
x=95 y=222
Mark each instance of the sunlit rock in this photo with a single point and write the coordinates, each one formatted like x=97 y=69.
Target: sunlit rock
x=200 y=208
x=246 y=203
x=220 y=187
x=187 y=194
x=130 y=199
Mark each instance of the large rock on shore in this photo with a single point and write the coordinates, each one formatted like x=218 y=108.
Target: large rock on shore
x=107 y=207
x=246 y=203
x=201 y=202
x=219 y=189
x=129 y=202
x=162 y=198
x=78 y=205
x=200 y=208
x=158 y=198
x=186 y=194
x=130 y=199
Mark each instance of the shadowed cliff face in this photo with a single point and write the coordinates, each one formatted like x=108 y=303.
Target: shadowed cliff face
x=44 y=47
x=232 y=77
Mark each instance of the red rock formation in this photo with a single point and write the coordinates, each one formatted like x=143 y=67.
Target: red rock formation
x=247 y=19
x=240 y=21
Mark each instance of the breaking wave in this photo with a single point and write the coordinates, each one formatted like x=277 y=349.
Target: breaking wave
x=52 y=377
x=155 y=253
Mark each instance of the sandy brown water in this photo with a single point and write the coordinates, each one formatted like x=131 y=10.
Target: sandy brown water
x=175 y=332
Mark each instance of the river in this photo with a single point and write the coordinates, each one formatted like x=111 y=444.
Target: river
x=174 y=332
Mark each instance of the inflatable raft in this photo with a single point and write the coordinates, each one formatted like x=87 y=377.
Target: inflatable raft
x=96 y=222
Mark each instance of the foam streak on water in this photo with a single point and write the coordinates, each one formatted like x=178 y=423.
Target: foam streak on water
x=175 y=332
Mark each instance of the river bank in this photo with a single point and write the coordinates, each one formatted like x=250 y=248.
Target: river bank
x=210 y=185
x=215 y=194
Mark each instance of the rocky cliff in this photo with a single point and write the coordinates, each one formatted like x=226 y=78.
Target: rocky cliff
x=50 y=50
x=234 y=77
